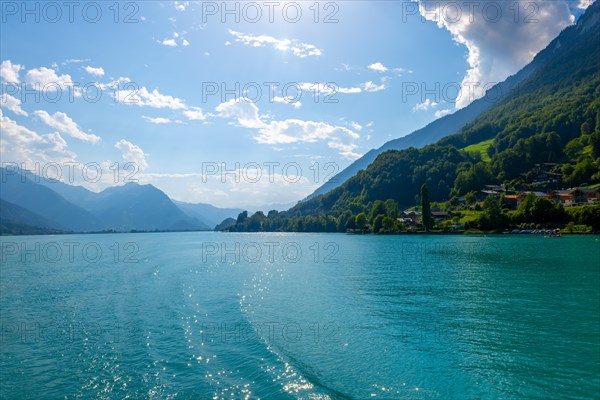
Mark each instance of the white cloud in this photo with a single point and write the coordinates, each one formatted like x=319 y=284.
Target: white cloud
x=328 y=89
x=584 y=4
x=287 y=100
x=356 y=126
x=497 y=45
x=157 y=120
x=22 y=145
x=181 y=5
x=289 y=131
x=298 y=48
x=144 y=97
x=169 y=42
x=173 y=42
x=441 y=113
x=64 y=124
x=132 y=153
x=195 y=114
x=10 y=72
x=47 y=79
x=75 y=60
x=98 y=71
x=245 y=113
x=379 y=67
x=424 y=106
x=12 y=103
x=372 y=87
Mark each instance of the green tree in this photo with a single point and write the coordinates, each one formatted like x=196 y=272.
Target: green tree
x=361 y=221
x=426 y=208
x=540 y=210
x=590 y=215
x=595 y=142
x=492 y=217
x=351 y=223
x=377 y=209
x=388 y=224
x=378 y=223
x=343 y=220
x=470 y=198
x=586 y=128
x=242 y=217
x=391 y=208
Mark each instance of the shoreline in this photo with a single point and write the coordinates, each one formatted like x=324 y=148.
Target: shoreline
x=341 y=233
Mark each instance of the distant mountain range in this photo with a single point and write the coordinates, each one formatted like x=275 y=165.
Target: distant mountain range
x=34 y=205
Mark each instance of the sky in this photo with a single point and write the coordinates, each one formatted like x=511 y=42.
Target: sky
x=245 y=104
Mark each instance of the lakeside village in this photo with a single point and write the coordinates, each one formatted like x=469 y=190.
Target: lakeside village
x=540 y=210
x=468 y=218
x=537 y=208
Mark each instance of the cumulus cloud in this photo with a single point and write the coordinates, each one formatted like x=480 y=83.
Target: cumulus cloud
x=441 y=113
x=12 y=103
x=157 y=120
x=176 y=40
x=244 y=112
x=63 y=123
x=96 y=71
x=195 y=114
x=273 y=132
x=181 y=5
x=356 y=126
x=132 y=153
x=296 y=47
x=500 y=38
x=47 y=79
x=372 y=87
x=22 y=145
x=287 y=100
x=144 y=97
x=379 y=67
x=424 y=106
x=10 y=72
x=328 y=89
x=169 y=42
x=584 y=4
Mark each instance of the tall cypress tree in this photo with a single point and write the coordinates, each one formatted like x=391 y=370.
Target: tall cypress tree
x=426 y=207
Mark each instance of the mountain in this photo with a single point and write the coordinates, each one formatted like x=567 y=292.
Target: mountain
x=445 y=126
x=18 y=220
x=54 y=204
x=140 y=207
x=73 y=193
x=225 y=224
x=20 y=190
x=206 y=213
x=548 y=124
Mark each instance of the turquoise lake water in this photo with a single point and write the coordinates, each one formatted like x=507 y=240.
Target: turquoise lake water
x=309 y=316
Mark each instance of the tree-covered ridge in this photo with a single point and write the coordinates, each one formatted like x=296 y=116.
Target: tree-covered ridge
x=552 y=118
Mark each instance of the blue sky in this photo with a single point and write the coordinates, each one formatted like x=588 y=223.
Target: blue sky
x=145 y=86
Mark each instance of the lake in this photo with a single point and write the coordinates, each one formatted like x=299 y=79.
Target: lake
x=310 y=316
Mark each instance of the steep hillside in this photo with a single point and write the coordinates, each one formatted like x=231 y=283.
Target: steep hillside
x=551 y=118
x=447 y=125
